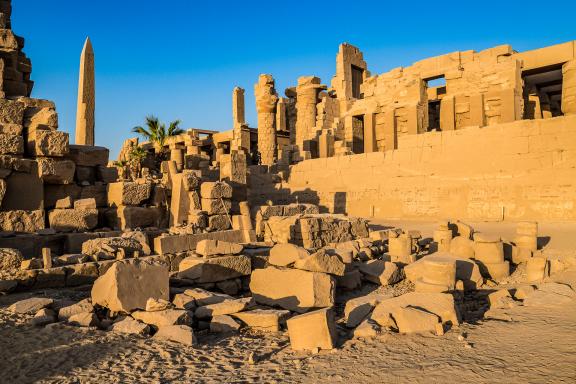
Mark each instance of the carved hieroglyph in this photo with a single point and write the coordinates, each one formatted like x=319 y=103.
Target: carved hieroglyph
x=266 y=99
x=86 y=97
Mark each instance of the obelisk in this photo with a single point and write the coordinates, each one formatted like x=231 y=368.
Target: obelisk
x=86 y=97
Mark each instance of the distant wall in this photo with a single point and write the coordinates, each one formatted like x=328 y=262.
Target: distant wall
x=520 y=170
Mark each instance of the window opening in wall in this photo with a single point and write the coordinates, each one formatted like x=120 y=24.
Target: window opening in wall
x=357 y=79
x=543 y=92
x=358 y=134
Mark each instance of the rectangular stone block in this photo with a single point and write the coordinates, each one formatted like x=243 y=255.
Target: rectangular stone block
x=202 y=270
x=292 y=289
x=216 y=206
x=53 y=193
x=128 y=193
x=88 y=156
x=312 y=330
x=69 y=220
x=24 y=191
x=56 y=171
x=47 y=143
x=11 y=144
x=182 y=243
x=22 y=221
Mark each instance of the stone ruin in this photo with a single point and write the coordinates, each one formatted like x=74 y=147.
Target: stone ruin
x=219 y=237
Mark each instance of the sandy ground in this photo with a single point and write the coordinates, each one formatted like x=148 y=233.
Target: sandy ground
x=534 y=345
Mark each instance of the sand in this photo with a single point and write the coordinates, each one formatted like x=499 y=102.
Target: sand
x=531 y=345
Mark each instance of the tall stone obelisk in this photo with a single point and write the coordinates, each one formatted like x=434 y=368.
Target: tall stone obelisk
x=86 y=97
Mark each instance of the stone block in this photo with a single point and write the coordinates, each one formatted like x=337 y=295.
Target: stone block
x=182 y=334
x=31 y=305
x=11 y=144
x=268 y=320
x=358 y=309
x=128 y=193
x=56 y=171
x=292 y=289
x=22 y=221
x=126 y=287
x=226 y=307
x=218 y=223
x=216 y=206
x=53 y=193
x=106 y=174
x=128 y=217
x=283 y=255
x=204 y=297
x=210 y=248
x=88 y=156
x=215 y=269
x=130 y=326
x=11 y=112
x=215 y=190
x=183 y=243
x=414 y=320
x=97 y=192
x=85 y=319
x=83 y=306
x=24 y=191
x=84 y=175
x=47 y=143
x=312 y=330
x=89 y=203
x=381 y=272
x=223 y=324
x=164 y=318
x=321 y=261
x=70 y=220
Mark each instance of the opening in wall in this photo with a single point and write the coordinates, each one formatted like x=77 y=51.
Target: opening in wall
x=543 y=92
x=434 y=115
x=358 y=134
x=357 y=79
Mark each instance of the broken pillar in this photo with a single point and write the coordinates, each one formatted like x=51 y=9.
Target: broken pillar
x=266 y=99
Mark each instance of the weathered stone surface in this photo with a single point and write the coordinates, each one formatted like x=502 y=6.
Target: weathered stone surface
x=43 y=317
x=283 y=255
x=131 y=326
x=88 y=203
x=215 y=190
x=215 y=269
x=11 y=112
x=210 y=248
x=88 y=156
x=226 y=307
x=440 y=304
x=183 y=301
x=84 y=306
x=269 y=320
x=551 y=295
x=53 y=193
x=218 y=222
x=182 y=334
x=359 y=308
x=31 y=305
x=11 y=144
x=64 y=203
x=381 y=272
x=321 y=261
x=183 y=243
x=367 y=329
x=126 y=287
x=164 y=318
x=84 y=319
x=24 y=191
x=128 y=193
x=10 y=259
x=414 y=320
x=108 y=247
x=68 y=220
x=312 y=330
x=128 y=217
x=223 y=324
x=203 y=297
x=292 y=289
x=190 y=180
x=216 y=206
x=47 y=143
x=7 y=286
x=153 y=305
x=56 y=171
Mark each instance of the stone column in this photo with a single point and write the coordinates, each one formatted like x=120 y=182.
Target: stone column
x=266 y=99
x=177 y=155
x=569 y=88
x=238 y=117
x=281 y=115
x=86 y=97
x=306 y=99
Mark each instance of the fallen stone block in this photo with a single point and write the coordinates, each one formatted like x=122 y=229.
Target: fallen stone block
x=551 y=295
x=292 y=289
x=164 y=318
x=84 y=319
x=210 y=248
x=183 y=301
x=128 y=193
x=182 y=334
x=68 y=220
x=312 y=330
x=367 y=329
x=414 y=320
x=130 y=326
x=182 y=243
x=521 y=292
x=499 y=299
x=215 y=269
x=126 y=287
x=381 y=272
x=286 y=254
x=434 y=273
x=43 y=317
x=269 y=320
x=203 y=297
x=321 y=261
x=223 y=324
x=358 y=309
x=441 y=304
x=350 y=281
x=153 y=305
x=31 y=305
x=215 y=190
x=108 y=247
x=81 y=274
x=84 y=306
x=223 y=308
x=461 y=246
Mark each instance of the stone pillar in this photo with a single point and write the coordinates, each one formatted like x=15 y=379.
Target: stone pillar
x=86 y=97
x=238 y=117
x=390 y=134
x=177 y=156
x=370 y=133
x=306 y=99
x=266 y=99
x=281 y=115
x=569 y=88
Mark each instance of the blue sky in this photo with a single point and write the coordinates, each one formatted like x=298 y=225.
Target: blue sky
x=181 y=59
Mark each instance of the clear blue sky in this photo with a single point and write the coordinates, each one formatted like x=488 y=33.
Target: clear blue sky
x=181 y=59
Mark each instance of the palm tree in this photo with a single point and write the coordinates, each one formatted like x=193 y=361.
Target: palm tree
x=136 y=156
x=156 y=132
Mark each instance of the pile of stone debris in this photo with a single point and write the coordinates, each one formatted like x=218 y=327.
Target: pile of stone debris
x=220 y=286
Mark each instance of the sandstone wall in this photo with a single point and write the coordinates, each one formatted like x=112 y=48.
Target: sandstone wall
x=516 y=171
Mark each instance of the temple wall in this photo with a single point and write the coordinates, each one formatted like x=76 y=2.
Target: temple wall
x=515 y=171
